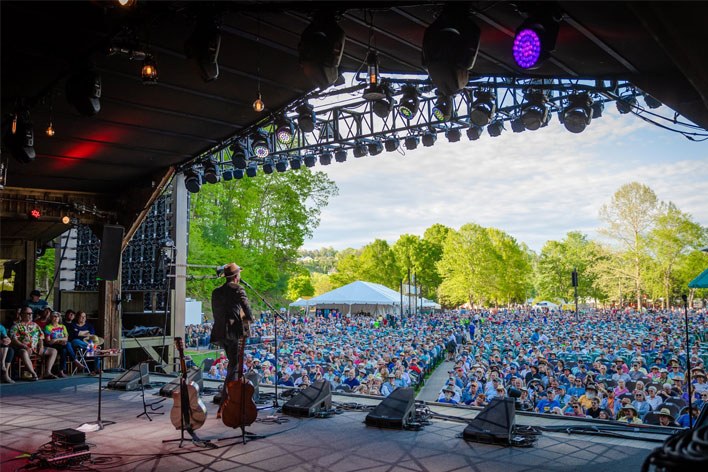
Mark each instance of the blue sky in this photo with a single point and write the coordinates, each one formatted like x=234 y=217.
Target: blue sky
x=536 y=185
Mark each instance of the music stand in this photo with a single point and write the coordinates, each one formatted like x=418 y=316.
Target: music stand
x=153 y=408
x=99 y=422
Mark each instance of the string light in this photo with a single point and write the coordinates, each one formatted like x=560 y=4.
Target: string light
x=14 y=124
x=50 y=130
x=258 y=104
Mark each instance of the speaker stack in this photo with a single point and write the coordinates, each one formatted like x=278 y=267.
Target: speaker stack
x=314 y=398
x=111 y=248
x=395 y=411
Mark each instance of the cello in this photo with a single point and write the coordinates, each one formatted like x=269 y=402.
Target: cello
x=188 y=412
x=239 y=410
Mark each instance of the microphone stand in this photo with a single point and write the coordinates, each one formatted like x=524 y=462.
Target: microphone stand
x=275 y=337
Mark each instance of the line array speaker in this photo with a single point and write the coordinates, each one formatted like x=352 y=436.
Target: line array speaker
x=109 y=259
x=395 y=411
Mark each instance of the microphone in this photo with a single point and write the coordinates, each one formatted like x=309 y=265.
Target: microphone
x=245 y=283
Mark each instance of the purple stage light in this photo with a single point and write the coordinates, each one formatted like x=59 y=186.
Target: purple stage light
x=527 y=48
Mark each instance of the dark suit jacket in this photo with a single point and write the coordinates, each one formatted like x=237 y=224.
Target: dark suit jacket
x=226 y=304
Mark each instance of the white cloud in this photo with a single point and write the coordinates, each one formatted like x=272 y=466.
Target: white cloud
x=535 y=185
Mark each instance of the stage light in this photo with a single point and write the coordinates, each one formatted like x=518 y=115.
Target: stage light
x=429 y=138
x=450 y=46
x=651 y=102
x=382 y=108
x=391 y=144
x=306 y=117
x=483 y=108
x=474 y=132
x=284 y=130
x=211 y=172
x=83 y=91
x=453 y=135
x=375 y=148
x=626 y=104
x=320 y=50
x=534 y=113
x=21 y=140
x=295 y=163
x=443 y=108
x=252 y=169
x=227 y=175
x=578 y=114
x=204 y=45
x=374 y=91
x=268 y=167
x=340 y=155
x=192 y=181
x=411 y=142
x=360 y=150
x=238 y=156
x=258 y=105
x=410 y=102
x=310 y=160
x=326 y=158
x=534 y=41
x=281 y=165
x=238 y=173
x=149 y=71
x=495 y=128
x=597 y=109
x=259 y=145
x=517 y=125
x=66 y=219
x=34 y=214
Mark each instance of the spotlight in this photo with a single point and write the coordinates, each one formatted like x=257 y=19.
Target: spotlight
x=192 y=181
x=443 y=108
x=453 y=135
x=410 y=101
x=203 y=46
x=211 y=172
x=495 y=128
x=149 y=71
x=83 y=91
x=320 y=50
x=259 y=145
x=391 y=144
x=326 y=158
x=517 y=125
x=483 y=108
x=340 y=155
x=382 y=108
x=534 y=113
x=375 y=148
x=597 y=109
x=534 y=41
x=625 y=104
x=268 y=167
x=281 y=165
x=411 y=142
x=306 y=117
x=227 y=175
x=295 y=163
x=285 y=130
x=375 y=91
x=21 y=139
x=578 y=113
x=310 y=160
x=474 y=132
x=238 y=173
x=238 y=156
x=360 y=150
x=429 y=138
x=450 y=46
x=651 y=102
x=66 y=219
x=258 y=105
x=34 y=214
x=252 y=169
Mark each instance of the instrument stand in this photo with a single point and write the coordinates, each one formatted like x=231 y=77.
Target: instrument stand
x=99 y=422
x=153 y=408
x=195 y=439
x=245 y=436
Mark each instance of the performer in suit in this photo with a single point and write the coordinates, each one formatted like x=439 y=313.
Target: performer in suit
x=227 y=302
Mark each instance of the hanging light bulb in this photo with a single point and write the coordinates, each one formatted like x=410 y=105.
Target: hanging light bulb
x=14 y=124
x=258 y=104
x=149 y=71
x=374 y=91
x=50 y=130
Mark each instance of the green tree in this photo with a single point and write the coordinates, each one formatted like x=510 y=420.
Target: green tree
x=321 y=283
x=629 y=218
x=347 y=268
x=300 y=285
x=511 y=277
x=377 y=264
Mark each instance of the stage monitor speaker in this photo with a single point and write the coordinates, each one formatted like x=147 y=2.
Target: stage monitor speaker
x=130 y=380
x=309 y=401
x=109 y=258
x=194 y=374
x=494 y=424
x=395 y=411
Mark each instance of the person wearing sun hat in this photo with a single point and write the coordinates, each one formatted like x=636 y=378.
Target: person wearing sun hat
x=666 y=418
x=629 y=413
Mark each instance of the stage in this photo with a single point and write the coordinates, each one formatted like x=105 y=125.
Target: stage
x=31 y=411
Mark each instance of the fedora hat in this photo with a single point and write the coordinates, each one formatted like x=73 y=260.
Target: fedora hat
x=231 y=270
x=665 y=412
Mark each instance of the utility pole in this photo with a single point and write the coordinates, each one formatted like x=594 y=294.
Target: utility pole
x=574 y=279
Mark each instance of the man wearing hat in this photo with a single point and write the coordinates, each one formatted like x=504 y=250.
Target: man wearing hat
x=629 y=413
x=36 y=303
x=232 y=313
x=666 y=418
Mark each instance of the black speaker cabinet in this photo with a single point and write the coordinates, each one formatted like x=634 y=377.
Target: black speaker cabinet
x=395 y=411
x=308 y=402
x=109 y=258
x=130 y=380
x=494 y=424
x=194 y=374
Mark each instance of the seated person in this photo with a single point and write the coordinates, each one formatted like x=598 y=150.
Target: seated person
x=683 y=420
x=8 y=353
x=27 y=339
x=666 y=418
x=57 y=336
x=448 y=396
x=389 y=386
x=80 y=333
x=628 y=415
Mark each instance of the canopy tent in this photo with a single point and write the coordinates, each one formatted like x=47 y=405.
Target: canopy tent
x=429 y=304
x=546 y=304
x=701 y=281
x=357 y=297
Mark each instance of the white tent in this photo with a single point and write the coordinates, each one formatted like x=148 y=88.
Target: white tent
x=546 y=304
x=357 y=297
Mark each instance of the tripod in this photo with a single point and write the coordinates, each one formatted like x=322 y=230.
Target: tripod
x=153 y=408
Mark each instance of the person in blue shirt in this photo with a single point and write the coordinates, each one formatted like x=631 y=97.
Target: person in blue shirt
x=448 y=398
x=389 y=386
x=547 y=404
x=38 y=305
x=351 y=379
x=576 y=389
x=8 y=353
x=683 y=419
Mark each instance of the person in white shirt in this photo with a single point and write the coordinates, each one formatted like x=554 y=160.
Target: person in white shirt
x=653 y=400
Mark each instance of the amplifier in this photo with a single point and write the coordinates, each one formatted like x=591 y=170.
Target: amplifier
x=68 y=437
